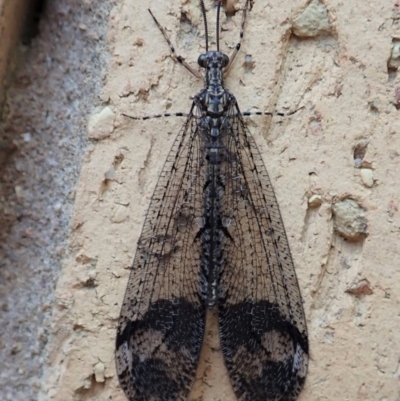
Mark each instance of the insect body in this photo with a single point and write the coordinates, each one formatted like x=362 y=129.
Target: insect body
x=213 y=238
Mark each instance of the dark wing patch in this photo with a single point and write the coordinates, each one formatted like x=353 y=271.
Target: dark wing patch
x=265 y=355
x=262 y=323
x=161 y=326
x=157 y=355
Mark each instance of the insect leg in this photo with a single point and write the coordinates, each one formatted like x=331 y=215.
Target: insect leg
x=179 y=58
x=237 y=47
x=186 y=115
x=271 y=113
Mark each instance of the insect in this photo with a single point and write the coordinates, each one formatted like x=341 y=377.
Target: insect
x=213 y=237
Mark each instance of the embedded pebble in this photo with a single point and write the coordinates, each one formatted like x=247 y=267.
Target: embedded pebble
x=360 y=149
x=120 y=215
x=87 y=383
x=349 y=220
x=19 y=192
x=313 y=21
x=315 y=201
x=367 y=176
x=99 y=370
x=27 y=136
x=363 y=287
x=57 y=206
x=394 y=60
x=357 y=162
x=101 y=124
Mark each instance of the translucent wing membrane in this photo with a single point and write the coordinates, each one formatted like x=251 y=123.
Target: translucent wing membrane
x=213 y=237
x=162 y=320
x=262 y=324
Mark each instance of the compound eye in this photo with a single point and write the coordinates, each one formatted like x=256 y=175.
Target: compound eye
x=202 y=61
x=225 y=60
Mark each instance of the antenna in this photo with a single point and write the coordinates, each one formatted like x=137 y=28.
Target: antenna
x=203 y=11
x=217 y=28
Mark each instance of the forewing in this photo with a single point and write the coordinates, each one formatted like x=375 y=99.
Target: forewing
x=262 y=324
x=162 y=319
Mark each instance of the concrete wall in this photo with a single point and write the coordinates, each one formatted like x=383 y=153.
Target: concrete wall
x=12 y=16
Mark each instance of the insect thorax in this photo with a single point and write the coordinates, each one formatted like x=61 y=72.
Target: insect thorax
x=214 y=99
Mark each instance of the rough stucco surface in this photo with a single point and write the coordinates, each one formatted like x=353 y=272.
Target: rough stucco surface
x=350 y=288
